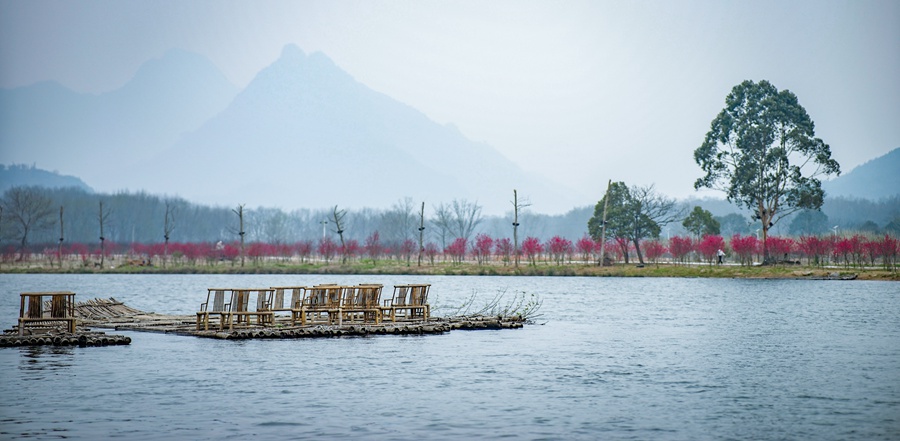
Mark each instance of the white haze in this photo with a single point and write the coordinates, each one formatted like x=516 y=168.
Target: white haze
x=580 y=92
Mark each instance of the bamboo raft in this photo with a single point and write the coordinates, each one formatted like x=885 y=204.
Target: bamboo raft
x=114 y=315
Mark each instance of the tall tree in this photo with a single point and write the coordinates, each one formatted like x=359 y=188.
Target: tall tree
x=701 y=222
x=338 y=217
x=466 y=217
x=103 y=220
x=761 y=150
x=515 y=223
x=239 y=211
x=29 y=210
x=421 y=233
x=168 y=227
x=632 y=214
x=61 y=237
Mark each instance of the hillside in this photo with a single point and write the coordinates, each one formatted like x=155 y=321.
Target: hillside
x=876 y=179
x=21 y=175
x=92 y=136
x=304 y=133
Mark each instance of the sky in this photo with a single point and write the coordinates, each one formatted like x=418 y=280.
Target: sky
x=579 y=91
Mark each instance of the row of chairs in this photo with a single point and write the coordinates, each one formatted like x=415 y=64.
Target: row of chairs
x=331 y=303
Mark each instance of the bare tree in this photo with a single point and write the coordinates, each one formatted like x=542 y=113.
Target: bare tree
x=168 y=227
x=421 y=233
x=516 y=207
x=441 y=222
x=338 y=218
x=29 y=211
x=398 y=223
x=61 y=237
x=102 y=219
x=466 y=216
x=239 y=211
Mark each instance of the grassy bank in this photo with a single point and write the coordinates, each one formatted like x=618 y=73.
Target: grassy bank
x=471 y=269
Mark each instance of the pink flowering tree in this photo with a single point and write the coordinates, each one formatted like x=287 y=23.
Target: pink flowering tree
x=304 y=249
x=431 y=251
x=481 y=249
x=744 y=247
x=890 y=248
x=373 y=247
x=504 y=249
x=457 y=250
x=709 y=246
x=407 y=247
x=585 y=247
x=654 y=250
x=559 y=248
x=680 y=247
x=326 y=249
x=781 y=248
x=532 y=248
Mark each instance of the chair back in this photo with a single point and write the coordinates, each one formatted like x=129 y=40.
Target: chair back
x=35 y=307
x=400 y=295
x=419 y=295
x=218 y=300
x=297 y=296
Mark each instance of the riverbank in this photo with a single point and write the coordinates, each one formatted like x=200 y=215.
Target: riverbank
x=493 y=269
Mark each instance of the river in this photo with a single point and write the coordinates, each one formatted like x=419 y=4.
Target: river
x=609 y=358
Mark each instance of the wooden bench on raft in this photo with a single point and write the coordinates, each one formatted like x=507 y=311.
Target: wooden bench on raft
x=295 y=306
x=219 y=308
x=237 y=307
x=241 y=313
x=322 y=301
x=33 y=315
x=362 y=302
x=410 y=302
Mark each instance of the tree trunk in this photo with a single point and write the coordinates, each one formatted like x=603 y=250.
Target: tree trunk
x=421 y=234
x=603 y=227
x=516 y=227
x=637 y=249
x=61 y=237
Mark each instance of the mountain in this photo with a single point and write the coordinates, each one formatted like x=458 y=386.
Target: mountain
x=93 y=135
x=876 y=179
x=21 y=175
x=304 y=133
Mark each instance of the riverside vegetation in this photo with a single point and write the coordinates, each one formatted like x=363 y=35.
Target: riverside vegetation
x=793 y=269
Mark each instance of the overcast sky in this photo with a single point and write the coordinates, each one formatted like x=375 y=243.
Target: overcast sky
x=582 y=92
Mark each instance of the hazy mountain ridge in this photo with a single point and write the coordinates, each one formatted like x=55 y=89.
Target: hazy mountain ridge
x=93 y=134
x=22 y=175
x=876 y=179
x=304 y=133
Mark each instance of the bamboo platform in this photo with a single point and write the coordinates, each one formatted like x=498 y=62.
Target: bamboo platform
x=114 y=315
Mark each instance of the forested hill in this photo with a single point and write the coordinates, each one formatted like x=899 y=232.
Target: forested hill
x=23 y=175
x=876 y=179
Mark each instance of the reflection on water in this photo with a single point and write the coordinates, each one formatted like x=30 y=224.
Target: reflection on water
x=616 y=358
x=45 y=358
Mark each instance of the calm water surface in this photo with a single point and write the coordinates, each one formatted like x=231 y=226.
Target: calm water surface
x=679 y=359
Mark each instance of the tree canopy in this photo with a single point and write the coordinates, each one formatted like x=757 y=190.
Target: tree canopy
x=632 y=214
x=701 y=222
x=761 y=150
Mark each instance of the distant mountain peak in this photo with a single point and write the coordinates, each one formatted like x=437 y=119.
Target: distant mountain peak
x=291 y=50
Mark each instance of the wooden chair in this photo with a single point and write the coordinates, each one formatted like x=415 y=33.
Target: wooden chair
x=410 y=302
x=323 y=300
x=62 y=310
x=219 y=307
x=298 y=296
x=397 y=302
x=362 y=302
x=418 y=302
x=240 y=307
